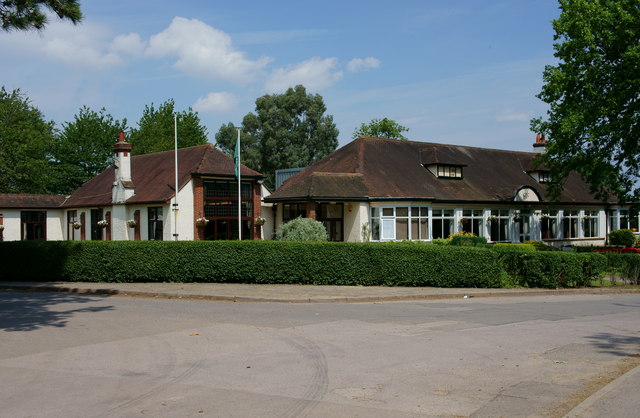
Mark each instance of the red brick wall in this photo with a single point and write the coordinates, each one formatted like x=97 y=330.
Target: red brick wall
x=107 y=217
x=257 y=210
x=83 y=228
x=198 y=207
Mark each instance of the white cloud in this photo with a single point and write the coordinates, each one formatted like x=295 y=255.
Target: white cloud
x=204 y=51
x=314 y=74
x=216 y=102
x=129 y=44
x=82 y=46
x=512 y=115
x=359 y=64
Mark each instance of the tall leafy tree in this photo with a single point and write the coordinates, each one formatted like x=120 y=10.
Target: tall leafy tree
x=155 y=130
x=287 y=130
x=25 y=141
x=593 y=122
x=383 y=128
x=28 y=14
x=84 y=148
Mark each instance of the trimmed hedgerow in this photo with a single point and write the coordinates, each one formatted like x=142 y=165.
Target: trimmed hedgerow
x=552 y=269
x=468 y=241
x=625 y=266
x=394 y=264
x=367 y=264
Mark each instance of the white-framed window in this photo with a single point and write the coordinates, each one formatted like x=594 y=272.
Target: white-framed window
x=442 y=221
x=544 y=176
x=549 y=224
x=399 y=223
x=570 y=223
x=451 y=171
x=471 y=221
x=628 y=220
x=590 y=223
x=500 y=226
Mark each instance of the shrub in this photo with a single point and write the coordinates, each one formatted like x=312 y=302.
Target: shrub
x=441 y=241
x=302 y=229
x=622 y=237
x=541 y=246
x=468 y=241
x=504 y=247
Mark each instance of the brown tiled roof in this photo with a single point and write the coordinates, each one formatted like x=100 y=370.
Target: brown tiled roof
x=31 y=201
x=153 y=175
x=380 y=168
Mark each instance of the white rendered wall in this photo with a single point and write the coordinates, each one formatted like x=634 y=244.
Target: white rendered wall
x=11 y=222
x=354 y=220
x=56 y=225
x=186 y=220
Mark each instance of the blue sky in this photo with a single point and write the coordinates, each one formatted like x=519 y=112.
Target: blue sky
x=458 y=71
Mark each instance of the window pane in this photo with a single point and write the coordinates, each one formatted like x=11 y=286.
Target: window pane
x=375 y=229
x=437 y=229
x=402 y=229
x=424 y=229
x=415 y=229
x=387 y=211
x=415 y=211
x=402 y=211
x=388 y=229
x=424 y=211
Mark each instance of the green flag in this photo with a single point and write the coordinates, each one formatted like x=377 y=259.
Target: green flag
x=236 y=156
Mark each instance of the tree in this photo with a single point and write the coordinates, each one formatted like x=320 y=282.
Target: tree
x=25 y=142
x=383 y=128
x=593 y=123
x=84 y=148
x=26 y=14
x=156 y=129
x=288 y=130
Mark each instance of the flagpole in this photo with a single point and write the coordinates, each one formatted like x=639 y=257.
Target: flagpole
x=239 y=188
x=175 y=202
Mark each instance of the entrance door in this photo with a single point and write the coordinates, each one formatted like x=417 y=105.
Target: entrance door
x=524 y=226
x=331 y=215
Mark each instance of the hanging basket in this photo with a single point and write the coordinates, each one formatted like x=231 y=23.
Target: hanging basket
x=202 y=221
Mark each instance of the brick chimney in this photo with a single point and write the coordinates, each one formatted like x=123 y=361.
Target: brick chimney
x=540 y=146
x=122 y=186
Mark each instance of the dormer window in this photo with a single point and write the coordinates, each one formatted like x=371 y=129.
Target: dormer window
x=544 y=177
x=449 y=171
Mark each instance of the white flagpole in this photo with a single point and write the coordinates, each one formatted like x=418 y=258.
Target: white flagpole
x=175 y=201
x=239 y=190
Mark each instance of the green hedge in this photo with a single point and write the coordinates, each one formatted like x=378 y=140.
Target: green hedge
x=368 y=264
x=625 y=266
x=552 y=269
x=395 y=264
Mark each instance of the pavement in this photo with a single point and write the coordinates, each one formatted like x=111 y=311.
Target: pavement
x=615 y=399
x=235 y=292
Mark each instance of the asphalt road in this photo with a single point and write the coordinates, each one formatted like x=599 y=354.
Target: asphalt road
x=65 y=355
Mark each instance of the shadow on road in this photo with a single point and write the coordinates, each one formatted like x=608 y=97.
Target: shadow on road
x=617 y=345
x=24 y=311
